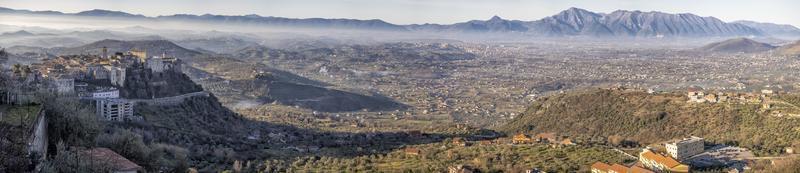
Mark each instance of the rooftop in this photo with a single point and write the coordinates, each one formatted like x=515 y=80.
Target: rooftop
x=114 y=160
x=689 y=140
x=664 y=160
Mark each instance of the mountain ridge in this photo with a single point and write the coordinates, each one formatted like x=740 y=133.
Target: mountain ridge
x=772 y=28
x=570 y=22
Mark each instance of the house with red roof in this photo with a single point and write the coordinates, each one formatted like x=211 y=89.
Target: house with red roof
x=114 y=161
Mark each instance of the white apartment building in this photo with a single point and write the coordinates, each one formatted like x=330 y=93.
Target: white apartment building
x=65 y=85
x=106 y=94
x=686 y=147
x=117 y=76
x=115 y=109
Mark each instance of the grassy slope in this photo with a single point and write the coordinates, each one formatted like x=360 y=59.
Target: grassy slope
x=650 y=118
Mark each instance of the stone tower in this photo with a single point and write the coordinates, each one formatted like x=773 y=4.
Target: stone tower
x=105 y=52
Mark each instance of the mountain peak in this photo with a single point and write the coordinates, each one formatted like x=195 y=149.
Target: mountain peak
x=106 y=13
x=495 y=17
x=736 y=45
x=18 y=33
x=576 y=10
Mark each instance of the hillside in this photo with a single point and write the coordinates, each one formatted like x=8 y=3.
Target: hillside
x=650 y=118
x=142 y=83
x=790 y=49
x=233 y=78
x=737 y=45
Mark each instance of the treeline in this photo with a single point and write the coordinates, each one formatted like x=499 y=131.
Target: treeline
x=438 y=157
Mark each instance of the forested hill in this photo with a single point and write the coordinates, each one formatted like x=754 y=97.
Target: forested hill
x=648 y=118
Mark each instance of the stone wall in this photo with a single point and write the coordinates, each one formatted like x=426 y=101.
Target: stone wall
x=37 y=145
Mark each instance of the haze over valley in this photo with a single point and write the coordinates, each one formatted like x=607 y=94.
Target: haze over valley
x=576 y=91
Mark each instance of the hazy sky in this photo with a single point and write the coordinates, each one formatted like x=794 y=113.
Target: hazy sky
x=427 y=11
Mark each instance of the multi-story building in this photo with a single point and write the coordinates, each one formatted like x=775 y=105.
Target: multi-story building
x=106 y=94
x=117 y=76
x=97 y=72
x=115 y=109
x=141 y=54
x=686 y=148
x=64 y=85
x=161 y=64
x=661 y=163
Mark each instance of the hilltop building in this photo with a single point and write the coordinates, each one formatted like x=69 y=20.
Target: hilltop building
x=106 y=80
x=685 y=148
x=162 y=63
x=117 y=76
x=141 y=54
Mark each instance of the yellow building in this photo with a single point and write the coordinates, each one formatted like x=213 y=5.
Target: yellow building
x=661 y=163
x=521 y=139
x=141 y=54
x=600 y=167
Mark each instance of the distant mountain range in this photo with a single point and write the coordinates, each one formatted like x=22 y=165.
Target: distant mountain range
x=570 y=22
x=771 y=28
x=153 y=47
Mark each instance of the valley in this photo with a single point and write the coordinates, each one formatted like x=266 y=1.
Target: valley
x=575 y=91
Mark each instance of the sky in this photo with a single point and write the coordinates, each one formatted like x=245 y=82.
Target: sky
x=427 y=11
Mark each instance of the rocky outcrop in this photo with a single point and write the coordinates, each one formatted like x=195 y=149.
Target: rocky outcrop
x=143 y=83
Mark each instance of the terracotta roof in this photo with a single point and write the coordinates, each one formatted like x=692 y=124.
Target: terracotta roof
x=679 y=169
x=666 y=161
x=411 y=151
x=637 y=169
x=567 y=141
x=618 y=168
x=114 y=160
x=600 y=166
x=520 y=136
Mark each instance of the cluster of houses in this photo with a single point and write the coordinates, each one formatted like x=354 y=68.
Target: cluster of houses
x=650 y=161
x=549 y=138
x=94 y=78
x=696 y=96
x=679 y=156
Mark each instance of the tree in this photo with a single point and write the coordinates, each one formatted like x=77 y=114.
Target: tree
x=71 y=122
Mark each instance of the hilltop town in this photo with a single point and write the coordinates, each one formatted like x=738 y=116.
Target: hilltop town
x=623 y=91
